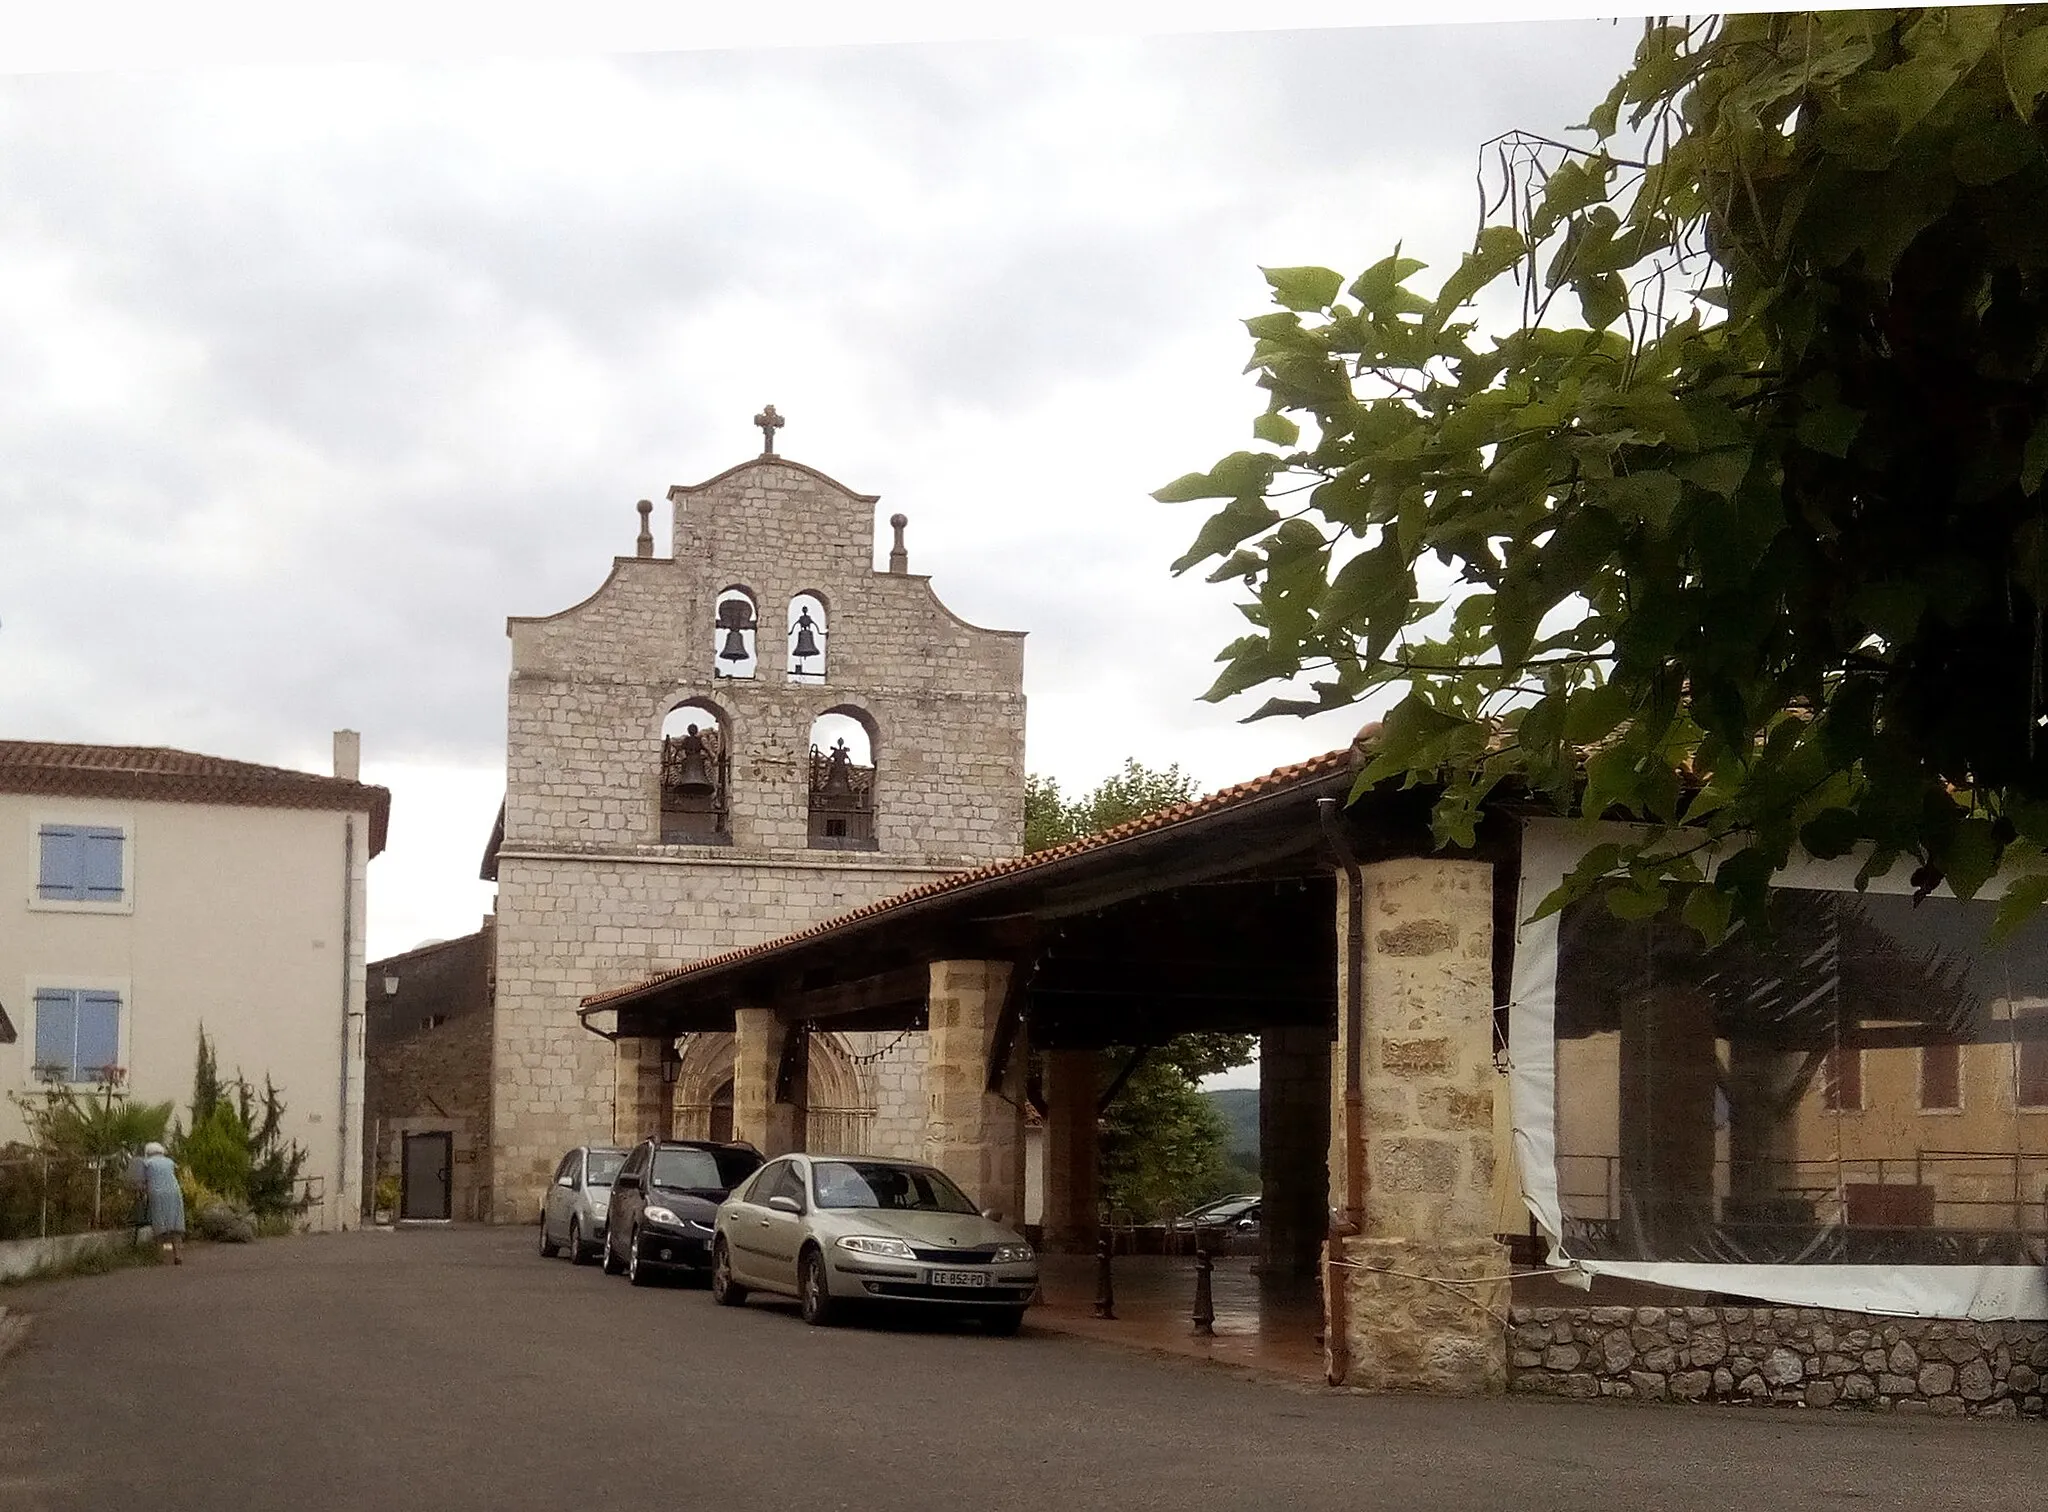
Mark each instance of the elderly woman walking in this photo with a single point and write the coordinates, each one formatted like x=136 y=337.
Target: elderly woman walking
x=157 y=1175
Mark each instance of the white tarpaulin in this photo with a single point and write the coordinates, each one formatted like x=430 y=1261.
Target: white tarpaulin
x=1965 y=1187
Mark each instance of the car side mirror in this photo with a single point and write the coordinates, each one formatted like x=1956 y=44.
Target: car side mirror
x=1247 y=1223
x=626 y=1183
x=565 y=1181
x=783 y=1204
x=993 y=1215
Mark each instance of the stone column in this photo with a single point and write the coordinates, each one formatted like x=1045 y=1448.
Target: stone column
x=1071 y=1184
x=972 y=1134
x=770 y=1126
x=640 y=1097
x=1294 y=1141
x=1428 y=1083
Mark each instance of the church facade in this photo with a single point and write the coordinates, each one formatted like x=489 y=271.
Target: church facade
x=755 y=733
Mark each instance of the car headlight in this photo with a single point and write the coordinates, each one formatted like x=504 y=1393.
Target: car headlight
x=662 y=1215
x=1013 y=1254
x=865 y=1244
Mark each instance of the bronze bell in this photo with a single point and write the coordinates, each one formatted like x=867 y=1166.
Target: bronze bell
x=806 y=645
x=734 y=617
x=838 y=784
x=694 y=778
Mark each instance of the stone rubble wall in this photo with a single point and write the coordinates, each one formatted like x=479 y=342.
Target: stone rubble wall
x=1782 y=1356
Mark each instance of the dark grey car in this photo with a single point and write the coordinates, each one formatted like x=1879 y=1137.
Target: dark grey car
x=664 y=1202
x=578 y=1202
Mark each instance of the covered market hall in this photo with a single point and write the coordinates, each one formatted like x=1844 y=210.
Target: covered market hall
x=1570 y=1155
x=1231 y=914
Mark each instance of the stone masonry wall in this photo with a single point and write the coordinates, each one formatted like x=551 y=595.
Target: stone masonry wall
x=570 y=926
x=588 y=896
x=1783 y=1356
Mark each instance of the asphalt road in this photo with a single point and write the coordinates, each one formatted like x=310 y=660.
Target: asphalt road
x=457 y=1371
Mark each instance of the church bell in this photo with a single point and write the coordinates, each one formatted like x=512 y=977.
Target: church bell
x=694 y=777
x=735 y=616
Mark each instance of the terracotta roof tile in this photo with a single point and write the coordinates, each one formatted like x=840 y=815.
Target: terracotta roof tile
x=1325 y=765
x=160 y=774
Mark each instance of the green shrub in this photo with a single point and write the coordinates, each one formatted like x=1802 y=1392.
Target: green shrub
x=235 y=1145
x=216 y=1152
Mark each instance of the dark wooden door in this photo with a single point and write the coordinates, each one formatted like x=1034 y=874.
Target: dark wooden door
x=429 y=1159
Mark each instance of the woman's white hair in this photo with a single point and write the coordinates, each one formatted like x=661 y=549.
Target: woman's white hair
x=152 y=1148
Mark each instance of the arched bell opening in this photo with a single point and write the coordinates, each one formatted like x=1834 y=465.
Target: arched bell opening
x=738 y=623
x=807 y=635
x=696 y=768
x=843 y=781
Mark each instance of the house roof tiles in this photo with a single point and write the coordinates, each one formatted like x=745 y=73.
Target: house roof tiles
x=162 y=775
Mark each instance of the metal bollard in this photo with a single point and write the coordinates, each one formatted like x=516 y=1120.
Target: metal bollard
x=1205 y=1303
x=1105 y=1283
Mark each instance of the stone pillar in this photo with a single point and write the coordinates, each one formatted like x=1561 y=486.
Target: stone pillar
x=972 y=1134
x=1428 y=1083
x=1071 y=1184
x=640 y=1101
x=770 y=1126
x=1294 y=1141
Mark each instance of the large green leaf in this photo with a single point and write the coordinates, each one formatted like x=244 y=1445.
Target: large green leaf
x=1304 y=289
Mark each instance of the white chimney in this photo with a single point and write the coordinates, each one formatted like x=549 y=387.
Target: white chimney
x=348 y=755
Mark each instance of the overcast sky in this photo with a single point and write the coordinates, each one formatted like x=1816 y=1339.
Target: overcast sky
x=315 y=374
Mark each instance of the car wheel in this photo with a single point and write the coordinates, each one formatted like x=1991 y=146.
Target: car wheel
x=1003 y=1321
x=637 y=1273
x=611 y=1260
x=579 y=1252
x=816 y=1297
x=548 y=1248
x=725 y=1291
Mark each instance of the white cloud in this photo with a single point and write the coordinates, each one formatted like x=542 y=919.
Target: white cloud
x=317 y=374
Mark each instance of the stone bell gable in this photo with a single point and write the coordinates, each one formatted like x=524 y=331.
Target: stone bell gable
x=942 y=699
x=752 y=734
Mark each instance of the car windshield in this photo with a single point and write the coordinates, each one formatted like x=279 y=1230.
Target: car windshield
x=873 y=1184
x=604 y=1165
x=701 y=1170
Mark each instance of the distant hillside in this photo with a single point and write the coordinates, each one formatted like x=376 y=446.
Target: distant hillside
x=1238 y=1107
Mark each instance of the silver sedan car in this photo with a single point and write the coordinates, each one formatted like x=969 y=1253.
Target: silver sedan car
x=831 y=1230
x=572 y=1214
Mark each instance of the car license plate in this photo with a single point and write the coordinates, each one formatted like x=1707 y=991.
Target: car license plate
x=959 y=1278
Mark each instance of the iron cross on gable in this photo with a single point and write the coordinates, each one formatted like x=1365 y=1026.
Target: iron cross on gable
x=770 y=423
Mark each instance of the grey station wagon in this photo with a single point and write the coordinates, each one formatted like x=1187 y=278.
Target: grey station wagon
x=572 y=1215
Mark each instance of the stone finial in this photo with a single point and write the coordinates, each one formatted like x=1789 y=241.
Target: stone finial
x=899 y=558
x=348 y=755
x=644 y=546
x=770 y=423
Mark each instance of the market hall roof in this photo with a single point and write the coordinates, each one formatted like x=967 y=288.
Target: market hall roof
x=1250 y=932
x=162 y=775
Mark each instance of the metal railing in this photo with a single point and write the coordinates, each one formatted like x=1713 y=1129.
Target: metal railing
x=1952 y=1206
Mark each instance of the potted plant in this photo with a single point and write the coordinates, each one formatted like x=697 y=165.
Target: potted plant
x=385 y=1202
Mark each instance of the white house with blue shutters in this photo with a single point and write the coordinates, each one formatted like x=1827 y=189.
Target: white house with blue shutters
x=146 y=892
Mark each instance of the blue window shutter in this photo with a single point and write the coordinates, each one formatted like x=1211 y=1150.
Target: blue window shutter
x=99 y=1034
x=57 y=1028
x=63 y=862
x=101 y=872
